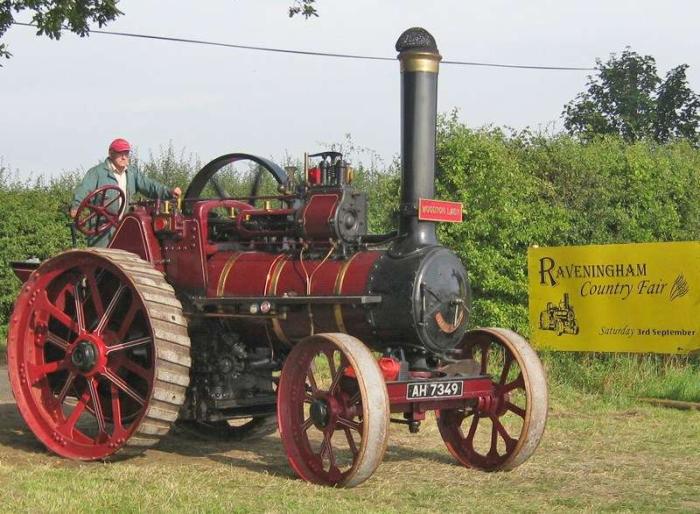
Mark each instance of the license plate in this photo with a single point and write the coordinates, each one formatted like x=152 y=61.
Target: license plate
x=427 y=390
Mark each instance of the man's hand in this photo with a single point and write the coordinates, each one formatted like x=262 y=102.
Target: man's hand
x=176 y=192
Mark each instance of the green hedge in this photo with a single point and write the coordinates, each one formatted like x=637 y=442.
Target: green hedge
x=518 y=189
x=525 y=189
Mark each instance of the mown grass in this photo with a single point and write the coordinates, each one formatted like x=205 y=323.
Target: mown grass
x=596 y=456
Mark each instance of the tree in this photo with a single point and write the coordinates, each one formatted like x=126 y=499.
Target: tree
x=51 y=17
x=628 y=98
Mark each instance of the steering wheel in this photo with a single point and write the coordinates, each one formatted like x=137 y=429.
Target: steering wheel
x=94 y=216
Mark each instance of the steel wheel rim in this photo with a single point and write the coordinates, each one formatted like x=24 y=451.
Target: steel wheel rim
x=355 y=423
x=82 y=332
x=505 y=445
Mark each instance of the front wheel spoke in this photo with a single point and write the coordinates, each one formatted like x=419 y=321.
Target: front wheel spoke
x=351 y=441
x=510 y=442
x=336 y=378
x=327 y=448
x=348 y=423
x=485 y=356
x=472 y=431
x=312 y=380
x=129 y=344
x=355 y=398
x=518 y=383
x=516 y=409
x=330 y=357
x=493 y=450
x=110 y=309
x=97 y=405
x=506 y=368
x=117 y=381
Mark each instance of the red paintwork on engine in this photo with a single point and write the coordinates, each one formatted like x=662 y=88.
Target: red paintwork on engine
x=317 y=214
x=135 y=234
x=261 y=273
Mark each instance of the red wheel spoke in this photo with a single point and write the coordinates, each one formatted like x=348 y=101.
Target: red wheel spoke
x=79 y=313
x=97 y=406
x=493 y=450
x=351 y=441
x=518 y=383
x=517 y=410
x=129 y=344
x=110 y=309
x=506 y=367
x=112 y=201
x=56 y=313
x=91 y=280
x=485 y=346
x=308 y=423
x=116 y=408
x=93 y=213
x=510 y=442
x=327 y=449
x=336 y=378
x=312 y=380
x=69 y=425
x=117 y=381
x=57 y=341
x=348 y=423
x=66 y=387
x=127 y=321
x=135 y=368
x=330 y=357
x=472 y=431
x=38 y=372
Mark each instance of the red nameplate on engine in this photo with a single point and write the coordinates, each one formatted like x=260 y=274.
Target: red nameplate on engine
x=439 y=210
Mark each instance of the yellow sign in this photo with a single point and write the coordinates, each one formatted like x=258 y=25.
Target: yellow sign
x=616 y=298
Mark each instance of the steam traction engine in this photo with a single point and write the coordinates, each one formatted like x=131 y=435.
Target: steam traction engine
x=235 y=316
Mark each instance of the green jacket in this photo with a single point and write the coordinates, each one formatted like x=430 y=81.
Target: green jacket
x=136 y=182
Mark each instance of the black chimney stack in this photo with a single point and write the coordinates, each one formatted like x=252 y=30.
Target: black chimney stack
x=420 y=60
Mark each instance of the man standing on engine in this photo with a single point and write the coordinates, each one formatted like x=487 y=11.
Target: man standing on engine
x=117 y=171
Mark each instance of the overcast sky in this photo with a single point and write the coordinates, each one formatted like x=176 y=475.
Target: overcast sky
x=61 y=102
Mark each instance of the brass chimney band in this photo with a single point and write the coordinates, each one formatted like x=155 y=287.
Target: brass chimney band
x=419 y=61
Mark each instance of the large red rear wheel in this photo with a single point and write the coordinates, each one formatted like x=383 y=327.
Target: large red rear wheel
x=500 y=432
x=334 y=425
x=98 y=353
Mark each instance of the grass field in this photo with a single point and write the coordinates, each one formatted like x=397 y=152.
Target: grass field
x=597 y=455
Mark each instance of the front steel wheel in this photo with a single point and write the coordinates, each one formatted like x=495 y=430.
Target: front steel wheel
x=500 y=432
x=333 y=422
x=98 y=353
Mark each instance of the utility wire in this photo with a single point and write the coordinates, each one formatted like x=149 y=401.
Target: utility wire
x=318 y=54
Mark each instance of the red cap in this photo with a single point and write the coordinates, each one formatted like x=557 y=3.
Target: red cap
x=119 y=145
